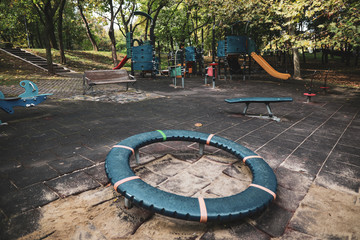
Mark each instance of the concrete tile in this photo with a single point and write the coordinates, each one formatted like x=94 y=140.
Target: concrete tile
x=324 y=147
x=223 y=186
x=37 y=158
x=233 y=133
x=207 y=169
x=98 y=173
x=184 y=184
x=239 y=171
x=342 y=169
x=347 y=149
x=149 y=177
x=252 y=142
x=306 y=161
x=273 y=155
x=95 y=155
x=338 y=182
x=170 y=229
x=300 y=130
x=26 y=198
x=273 y=221
x=221 y=156
x=44 y=136
x=349 y=142
x=275 y=128
x=283 y=143
x=295 y=235
x=247 y=232
x=71 y=164
x=329 y=131
x=72 y=184
x=291 y=137
x=157 y=148
x=293 y=180
x=289 y=199
x=6 y=186
x=331 y=214
x=346 y=158
x=30 y=175
x=21 y=225
x=238 y=230
x=167 y=166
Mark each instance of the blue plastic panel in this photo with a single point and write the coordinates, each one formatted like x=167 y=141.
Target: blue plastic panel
x=8 y=104
x=190 y=54
x=251 y=46
x=143 y=53
x=143 y=66
x=221 y=49
x=236 y=44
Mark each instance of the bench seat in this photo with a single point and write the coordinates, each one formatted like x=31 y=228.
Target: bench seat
x=101 y=77
x=265 y=100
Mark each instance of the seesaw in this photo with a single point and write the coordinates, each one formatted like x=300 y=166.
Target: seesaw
x=29 y=98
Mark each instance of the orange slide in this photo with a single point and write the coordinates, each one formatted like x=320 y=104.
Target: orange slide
x=270 y=70
x=121 y=64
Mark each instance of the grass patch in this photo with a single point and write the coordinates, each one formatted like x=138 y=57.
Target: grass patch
x=13 y=70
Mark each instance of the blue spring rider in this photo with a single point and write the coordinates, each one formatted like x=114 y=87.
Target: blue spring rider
x=29 y=98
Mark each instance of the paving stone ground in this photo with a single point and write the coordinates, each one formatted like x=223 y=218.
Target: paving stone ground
x=52 y=160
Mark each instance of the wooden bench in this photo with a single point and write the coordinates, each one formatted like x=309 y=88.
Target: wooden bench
x=101 y=77
x=266 y=100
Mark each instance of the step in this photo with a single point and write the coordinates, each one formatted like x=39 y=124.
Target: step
x=61 y=70
x=33 y=58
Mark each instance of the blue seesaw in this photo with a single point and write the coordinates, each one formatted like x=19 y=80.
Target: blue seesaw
x=29 y=98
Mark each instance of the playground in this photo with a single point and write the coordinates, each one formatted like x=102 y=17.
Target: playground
x=53 y=156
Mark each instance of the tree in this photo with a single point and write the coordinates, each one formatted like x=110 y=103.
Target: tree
x=60 y=32
x=113 y=10
x=87 y=27
x=46 y=11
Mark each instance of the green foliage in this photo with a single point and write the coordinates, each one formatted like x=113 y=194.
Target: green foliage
x=272 y=23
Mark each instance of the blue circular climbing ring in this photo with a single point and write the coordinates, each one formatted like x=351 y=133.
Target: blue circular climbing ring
x=255 y=198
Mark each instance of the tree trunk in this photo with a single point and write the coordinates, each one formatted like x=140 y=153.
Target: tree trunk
x=303 y=54
x=60 y=32
x=88 y=32
x=112 y=33
x=49 y=60
x=39 y=38
x=296 y=58
x=113 y=42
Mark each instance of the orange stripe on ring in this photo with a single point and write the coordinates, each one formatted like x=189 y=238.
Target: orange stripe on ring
x=126 y=147
x=265 y=189
x=248 y=157
x=118 y=183
x=209 y=139
x=203 y=211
